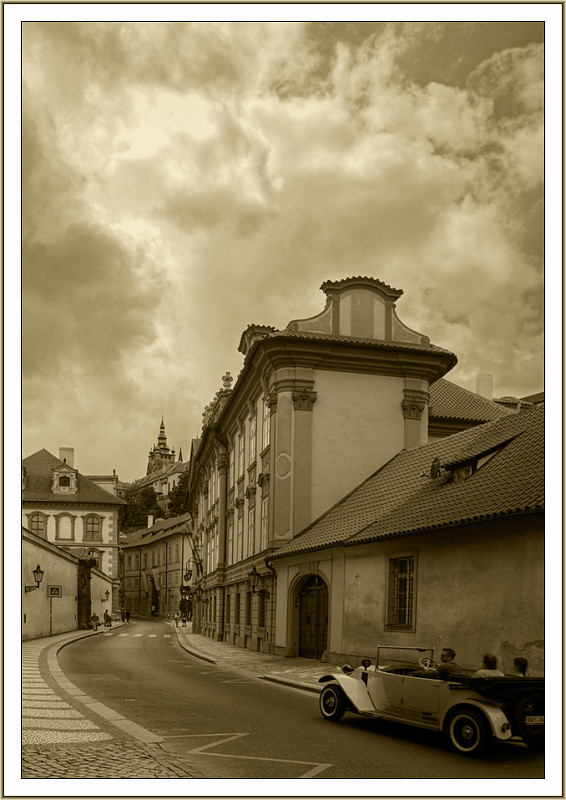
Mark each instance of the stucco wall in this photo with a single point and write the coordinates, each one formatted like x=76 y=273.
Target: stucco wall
x=345 y=452
x=43 y=615
x=74 y=534
x=478 y=589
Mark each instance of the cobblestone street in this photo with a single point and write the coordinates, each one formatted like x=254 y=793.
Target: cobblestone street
x=65 y=734
x=110 y=760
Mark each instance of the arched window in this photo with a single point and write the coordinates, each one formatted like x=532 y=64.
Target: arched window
x=93 y=527
x=38 y=524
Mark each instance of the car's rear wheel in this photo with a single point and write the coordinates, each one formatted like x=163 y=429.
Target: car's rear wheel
x=468 y=731
x=332 y=703
x=528 y=716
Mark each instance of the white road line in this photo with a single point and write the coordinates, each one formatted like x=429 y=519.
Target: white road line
x=152 y=636
x=137 y=635
x=316 y=767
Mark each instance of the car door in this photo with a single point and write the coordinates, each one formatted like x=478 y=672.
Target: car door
x=385 y=690
x=420 y=696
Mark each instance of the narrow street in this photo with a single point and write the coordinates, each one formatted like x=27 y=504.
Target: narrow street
x=228 y=724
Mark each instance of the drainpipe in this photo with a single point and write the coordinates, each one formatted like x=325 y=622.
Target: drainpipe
x=139 y=582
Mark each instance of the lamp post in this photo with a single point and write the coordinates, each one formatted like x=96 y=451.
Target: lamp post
x=38 y=574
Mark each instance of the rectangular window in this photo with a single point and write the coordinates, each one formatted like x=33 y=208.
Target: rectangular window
x=145 y=560
x=231 y=467
x=266 y=424
x=241 y=454
x=237 y=610
x=129 y=563
x=264 y=522
x=251 y=532
x=248 y=608
x=400 y=595
x=229 y=553
x=176 y=552
x=37 y=524
x=137 y=566
x=240 y=538
x=262 y=600
x=227 y=609
x=253 y=433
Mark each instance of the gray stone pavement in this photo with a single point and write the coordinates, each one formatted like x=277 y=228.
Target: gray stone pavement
x=303 y=673
x=67 y=734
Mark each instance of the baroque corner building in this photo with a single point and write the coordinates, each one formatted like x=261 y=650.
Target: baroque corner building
x=316 y=408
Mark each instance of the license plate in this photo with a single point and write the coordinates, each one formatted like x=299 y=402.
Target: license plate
x=530 y=720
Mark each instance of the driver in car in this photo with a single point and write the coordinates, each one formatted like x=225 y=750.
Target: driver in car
x=443 y=670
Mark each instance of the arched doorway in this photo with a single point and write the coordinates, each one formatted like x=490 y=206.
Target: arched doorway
x=313 y=618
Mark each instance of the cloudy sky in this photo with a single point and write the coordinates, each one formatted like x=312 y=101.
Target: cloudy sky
x=182 y=180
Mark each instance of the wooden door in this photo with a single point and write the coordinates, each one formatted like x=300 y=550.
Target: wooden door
x=313 y=618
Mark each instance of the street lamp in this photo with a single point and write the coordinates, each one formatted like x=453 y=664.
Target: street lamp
x=107 y=594
x=254 y=579
x=38 y=574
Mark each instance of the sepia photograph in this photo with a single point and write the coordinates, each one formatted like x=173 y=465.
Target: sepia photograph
x=281 y=281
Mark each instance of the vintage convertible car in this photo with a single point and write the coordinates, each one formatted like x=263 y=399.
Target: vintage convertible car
x=471 y=712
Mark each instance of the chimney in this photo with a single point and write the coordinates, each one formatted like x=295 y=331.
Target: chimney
x=150 y=521
x=484 y=386
x=67 y=454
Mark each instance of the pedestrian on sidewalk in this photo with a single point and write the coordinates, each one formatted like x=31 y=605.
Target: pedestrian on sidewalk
x=107 y=619
x=184 y=620
x=127 y=616
x=95 y=619
x=176 y=619
x=123 y=614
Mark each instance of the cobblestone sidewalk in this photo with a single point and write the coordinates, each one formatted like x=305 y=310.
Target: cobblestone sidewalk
x=65 y=734
x=107 y=760
x=300 y=672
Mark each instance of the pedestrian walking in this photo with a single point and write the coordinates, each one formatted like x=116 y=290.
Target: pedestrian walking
x=95 y=619
x=107 y=619
x=127 y=616
x=176 y=615
x=184 y=620
x=123 y=615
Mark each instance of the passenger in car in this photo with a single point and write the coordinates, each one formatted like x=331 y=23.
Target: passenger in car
x=520 y=665
x=489 y=668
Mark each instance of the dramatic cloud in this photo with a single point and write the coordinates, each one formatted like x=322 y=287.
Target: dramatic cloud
x=182 y=180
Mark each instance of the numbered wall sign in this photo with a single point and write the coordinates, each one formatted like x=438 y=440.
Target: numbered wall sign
x=55 y=591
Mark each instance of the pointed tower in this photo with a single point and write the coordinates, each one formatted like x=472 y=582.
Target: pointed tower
x=160 y=456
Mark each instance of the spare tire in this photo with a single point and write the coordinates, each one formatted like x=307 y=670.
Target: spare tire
x=528 y=716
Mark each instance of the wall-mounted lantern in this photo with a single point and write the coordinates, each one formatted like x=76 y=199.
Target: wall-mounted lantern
x=254 y=580
x=107 y=594
x=38 y=574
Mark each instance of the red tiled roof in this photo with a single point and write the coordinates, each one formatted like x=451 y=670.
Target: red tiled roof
x=402 y=497
x=449 y=401
x=161 y=529
x=39 y=471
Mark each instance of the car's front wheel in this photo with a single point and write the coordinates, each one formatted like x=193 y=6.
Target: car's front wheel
x=468 y=731
x=332 y=703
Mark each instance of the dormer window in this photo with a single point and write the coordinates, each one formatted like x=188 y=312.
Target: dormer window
x=64 y=480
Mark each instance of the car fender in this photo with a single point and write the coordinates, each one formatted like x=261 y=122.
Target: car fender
x=498 y=721
x=355 y=690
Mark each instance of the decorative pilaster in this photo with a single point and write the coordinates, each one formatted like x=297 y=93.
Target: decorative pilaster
x=413 y=405
x=303 y=400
